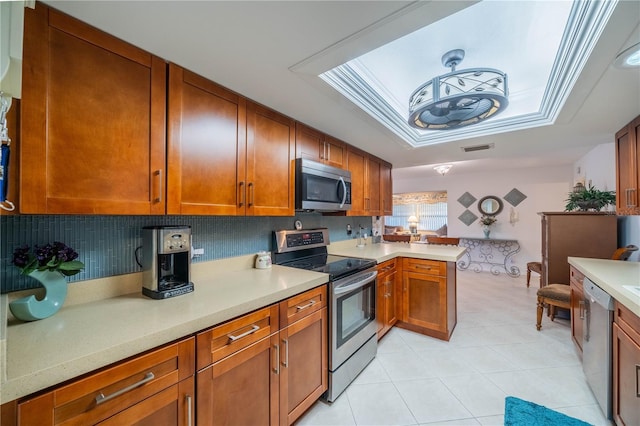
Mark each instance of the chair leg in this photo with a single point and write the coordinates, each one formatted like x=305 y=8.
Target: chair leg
x=539 y=314
x=552 y=311
x=528 y=276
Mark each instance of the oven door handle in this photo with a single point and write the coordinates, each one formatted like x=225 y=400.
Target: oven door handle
x=352 y=284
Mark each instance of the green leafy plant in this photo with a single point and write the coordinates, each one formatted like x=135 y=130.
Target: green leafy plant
x=585 y=199
x=55 y=256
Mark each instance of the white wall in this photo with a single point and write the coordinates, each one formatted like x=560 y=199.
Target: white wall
x=594 y=167
x=546 y=190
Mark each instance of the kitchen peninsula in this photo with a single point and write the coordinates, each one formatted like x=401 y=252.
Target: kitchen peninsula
x=84 y=337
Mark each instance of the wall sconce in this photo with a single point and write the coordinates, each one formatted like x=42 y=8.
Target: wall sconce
x=413 y=224
x=513 y=216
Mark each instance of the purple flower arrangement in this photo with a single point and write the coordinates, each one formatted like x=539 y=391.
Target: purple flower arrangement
x=55 y=256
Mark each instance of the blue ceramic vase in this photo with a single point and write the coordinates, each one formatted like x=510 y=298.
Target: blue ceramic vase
x=487 y=230
x=30 y=309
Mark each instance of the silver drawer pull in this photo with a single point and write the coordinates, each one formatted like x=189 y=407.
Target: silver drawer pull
x=308 y=305
x=637 y=380
x=102 y=399
x=189 y=413
x=233 y=338
x=424 y=267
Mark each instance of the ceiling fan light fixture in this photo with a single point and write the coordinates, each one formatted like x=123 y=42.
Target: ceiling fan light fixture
x=443 y=169
x=458 y=98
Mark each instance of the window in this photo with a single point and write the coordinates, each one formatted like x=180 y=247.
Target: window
x=429 y=207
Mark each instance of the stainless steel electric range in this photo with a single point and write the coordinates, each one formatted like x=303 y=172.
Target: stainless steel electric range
x=352 y=301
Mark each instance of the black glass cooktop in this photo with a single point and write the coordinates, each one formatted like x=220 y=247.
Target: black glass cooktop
x=335 y=266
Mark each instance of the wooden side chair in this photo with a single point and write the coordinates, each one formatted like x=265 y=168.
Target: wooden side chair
x=534 y=267
x=445 y=241
x=559 y=295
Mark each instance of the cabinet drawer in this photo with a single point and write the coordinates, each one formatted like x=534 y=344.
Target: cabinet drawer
x=223 y=340
x=387 y=267
x=301 y=305
x=577 y=276
x=628 y=321
x=110 y=391
x=423 y=266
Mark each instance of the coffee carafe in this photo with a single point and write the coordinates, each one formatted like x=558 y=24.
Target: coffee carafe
x=166 y=261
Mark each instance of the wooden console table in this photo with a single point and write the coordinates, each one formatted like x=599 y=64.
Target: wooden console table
x=495 y=253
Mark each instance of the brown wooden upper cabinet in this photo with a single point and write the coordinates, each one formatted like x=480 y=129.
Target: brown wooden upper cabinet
x=93 y=121
x=314 y=145
x=226 y=155
x=370 y=184
x=628 y=168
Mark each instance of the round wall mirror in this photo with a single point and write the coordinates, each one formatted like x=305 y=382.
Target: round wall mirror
x=490 y=205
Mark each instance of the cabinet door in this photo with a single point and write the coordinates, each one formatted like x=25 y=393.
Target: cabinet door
x=309 y=143
x=386 y=189
x=372 y=194
x=304 y=366
x=626 y=377
x=392 y=300
x=335 y=152
x=270 y=162
x=243 y=388
x=576 y=279
x=627 y=168
x=206 y=137
x=425 y=300
x=381 y=301
x=356 y=165
x=93 y=121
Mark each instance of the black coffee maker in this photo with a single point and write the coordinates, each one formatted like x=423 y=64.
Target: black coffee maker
x=166 y=261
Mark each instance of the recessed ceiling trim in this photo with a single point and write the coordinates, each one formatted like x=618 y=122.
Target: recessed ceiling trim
x=585 y=24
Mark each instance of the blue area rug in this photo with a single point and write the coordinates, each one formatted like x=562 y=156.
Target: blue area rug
x=518 y=412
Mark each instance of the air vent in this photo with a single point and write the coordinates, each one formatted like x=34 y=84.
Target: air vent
x=477 y=147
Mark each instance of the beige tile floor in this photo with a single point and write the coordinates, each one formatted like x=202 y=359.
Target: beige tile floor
x=495 y=351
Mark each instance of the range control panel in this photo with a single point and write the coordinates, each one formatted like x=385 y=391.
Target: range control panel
x=292 y=240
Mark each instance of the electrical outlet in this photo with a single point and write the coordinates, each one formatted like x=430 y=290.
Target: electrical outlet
x=197 y=252
x=348 y=229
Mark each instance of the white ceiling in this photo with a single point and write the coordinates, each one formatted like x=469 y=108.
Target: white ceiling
x=273 y=52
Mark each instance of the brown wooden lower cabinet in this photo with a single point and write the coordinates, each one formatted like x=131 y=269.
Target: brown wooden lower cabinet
x=271 y=381
x=626 y=367
x=156 y=388
x=576 y=279
x=386 y=296
x=428 y=297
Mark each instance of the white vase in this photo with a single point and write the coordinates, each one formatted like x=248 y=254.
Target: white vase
x=487 y=230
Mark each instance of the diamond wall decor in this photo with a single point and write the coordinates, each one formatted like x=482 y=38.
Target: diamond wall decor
x=514 y=197
x=466 y=199
x=467 y=217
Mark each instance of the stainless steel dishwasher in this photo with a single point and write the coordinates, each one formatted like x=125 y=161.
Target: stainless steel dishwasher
x=597 y=344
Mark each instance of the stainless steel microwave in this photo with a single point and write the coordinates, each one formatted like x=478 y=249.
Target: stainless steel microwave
x=321 y=187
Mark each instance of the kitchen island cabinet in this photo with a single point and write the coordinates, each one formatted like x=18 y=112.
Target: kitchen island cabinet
x=226 y=154
x=92 y=121
x=429 y=297
x=626 y=367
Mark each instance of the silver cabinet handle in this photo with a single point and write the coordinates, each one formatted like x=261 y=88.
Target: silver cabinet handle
x=158 y=175
x=277 y=350
x=637 y=380
x=189 y=414
x=285 y=363
x=100 y=399
x=251 y=194
x=428 y=268
x=308 y=305
x=233 y=338
x=581 y=304
x=241 y=194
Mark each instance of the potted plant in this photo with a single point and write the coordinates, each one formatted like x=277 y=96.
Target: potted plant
x=48 y=264
x=486 y=221
x=586 y=199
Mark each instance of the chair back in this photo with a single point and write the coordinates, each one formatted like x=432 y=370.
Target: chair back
x=623 y=253
x=445 y=241
x=396 y=238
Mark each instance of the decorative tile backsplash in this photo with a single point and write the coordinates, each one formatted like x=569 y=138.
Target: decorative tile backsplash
x=106 y=244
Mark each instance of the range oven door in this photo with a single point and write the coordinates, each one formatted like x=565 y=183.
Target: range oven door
x=353 y=315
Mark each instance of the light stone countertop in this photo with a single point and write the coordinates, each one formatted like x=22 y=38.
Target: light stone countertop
x=85 y=336
x=104 y=321
x=612 y=276
x=386 y=251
